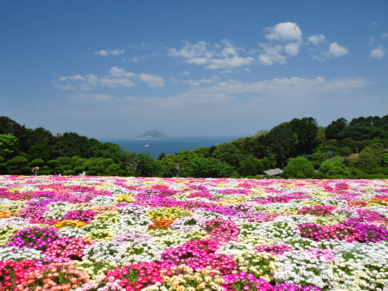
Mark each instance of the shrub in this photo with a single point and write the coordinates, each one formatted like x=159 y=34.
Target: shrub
x=298 y=165
x=300 y=176
x=105 y=163
x=73 y=161
x=79 y=169
x=318 y=175
x=235 y=174
x=15 y=172
x=26 y=170
x=64 y=160
x=44 y=168
x=334 y=167
x=36 y=163
x=43 y=173
x=79 y=162
x=379 y=170
x=52 y=163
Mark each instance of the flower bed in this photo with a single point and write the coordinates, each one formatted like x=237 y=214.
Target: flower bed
x=130 y=234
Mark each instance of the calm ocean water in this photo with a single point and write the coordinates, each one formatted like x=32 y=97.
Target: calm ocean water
x=169 y=145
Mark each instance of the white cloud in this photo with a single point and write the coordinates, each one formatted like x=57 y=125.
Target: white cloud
x=335 y=50
x=271 y=55
x=287 y=31
x=292 y=49
x=191 y=51
x=230 y=62
x=247 y=70
x=114 y=83
x=106 y=53
x=63 y=87
x=92 y=97
x=135 y=59
x=116 y=77
x=184 y=73
x=230 y=49
x=315 y=39
x=384 y=35
x=375 y=24
x=287 y=86
x=212 y=56
x=75 y=77
x=152 y=80
x=372 y=40
x=197 y=82
x=117 y=72
x=378 y=52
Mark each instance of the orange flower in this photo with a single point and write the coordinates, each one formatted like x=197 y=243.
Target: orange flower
x=162 y=223
x=5 y=214
x=358 y=203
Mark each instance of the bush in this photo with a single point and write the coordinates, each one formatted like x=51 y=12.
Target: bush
x=298 y=165
x=36 y=163
x=300 y=176
x=105 y=163
x=91 y=173
x=15 y=172
x=18 y=161
x=44 y=168
x=384 y=160
x=78 y=169
x=73 y=161
x=318 y=175
x=112 y=169
x=51 y=172
x=235 y=174
x=43 y=173
x=64 y=160
x=1 y=160
x=3 y=168
x=207 y=168
x=79 y=162
x=379 y=170
x=26 y=170
x=52 y=163
x=334 y=167
x=122 y=172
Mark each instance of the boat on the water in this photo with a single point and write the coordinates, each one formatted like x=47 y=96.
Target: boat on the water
x=145 y=146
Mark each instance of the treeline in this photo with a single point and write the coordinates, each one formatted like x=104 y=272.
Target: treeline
x=300 y=147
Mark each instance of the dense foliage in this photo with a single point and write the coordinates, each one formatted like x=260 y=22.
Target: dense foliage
x=326 y=151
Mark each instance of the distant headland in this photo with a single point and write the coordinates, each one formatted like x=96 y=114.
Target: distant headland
x=151 y=134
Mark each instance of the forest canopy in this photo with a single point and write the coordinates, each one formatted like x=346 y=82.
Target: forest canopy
x=300 y=147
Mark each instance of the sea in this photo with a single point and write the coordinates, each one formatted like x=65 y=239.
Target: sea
x=169 y=145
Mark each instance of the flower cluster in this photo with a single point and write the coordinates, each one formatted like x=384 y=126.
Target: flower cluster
x=154 y=234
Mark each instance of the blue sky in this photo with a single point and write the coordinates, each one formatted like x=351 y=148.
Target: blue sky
x=114 y=69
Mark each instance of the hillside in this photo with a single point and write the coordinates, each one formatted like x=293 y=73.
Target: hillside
x=151 y=134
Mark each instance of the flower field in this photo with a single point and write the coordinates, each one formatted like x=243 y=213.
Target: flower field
x=127 y=234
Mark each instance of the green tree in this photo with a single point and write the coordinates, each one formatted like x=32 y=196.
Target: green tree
x=147 y=166
x=334 y=128
x=250 y=166
x=384 y=160
x=113 y=169
x=334 y=167
x=207 y=168
x=36 y=163
x=16 y=164
x=8 y=145
x=299 y=165
x=229 y=153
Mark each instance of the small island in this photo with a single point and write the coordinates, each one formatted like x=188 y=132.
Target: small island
x=151 y=134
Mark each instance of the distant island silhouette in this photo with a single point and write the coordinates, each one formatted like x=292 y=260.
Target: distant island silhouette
x=151 y=134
